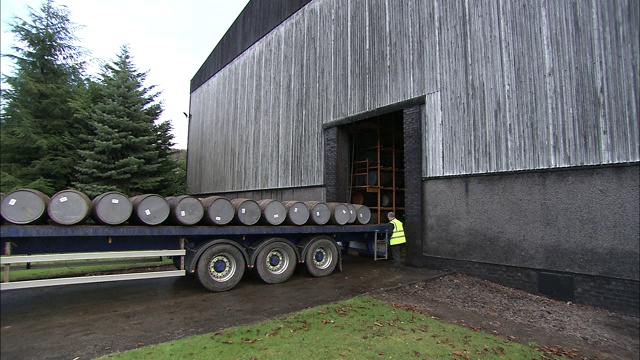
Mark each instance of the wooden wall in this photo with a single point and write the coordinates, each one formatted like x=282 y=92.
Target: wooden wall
x=508 y=85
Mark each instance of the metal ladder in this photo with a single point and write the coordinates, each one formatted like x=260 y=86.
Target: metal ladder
x=380 y=246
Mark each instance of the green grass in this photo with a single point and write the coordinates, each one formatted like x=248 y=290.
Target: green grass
x=359 y=328
x=72 y=268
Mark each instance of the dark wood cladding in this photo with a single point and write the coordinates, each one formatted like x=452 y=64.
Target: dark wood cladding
x=256 y=20
x=507 y=86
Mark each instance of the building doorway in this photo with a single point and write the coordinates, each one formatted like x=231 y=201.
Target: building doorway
x=376 y=165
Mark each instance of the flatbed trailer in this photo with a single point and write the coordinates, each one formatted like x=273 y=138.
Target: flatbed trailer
x=217 y=255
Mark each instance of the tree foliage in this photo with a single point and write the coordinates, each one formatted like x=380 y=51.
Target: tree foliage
x=61 y=130
x=39 y=134
x=126 y=150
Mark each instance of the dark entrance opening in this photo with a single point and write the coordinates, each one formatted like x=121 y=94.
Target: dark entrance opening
x=376 y=165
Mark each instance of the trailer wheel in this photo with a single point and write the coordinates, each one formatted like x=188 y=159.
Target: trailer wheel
x=220 y=267
x=322 y=257
x=276 y=262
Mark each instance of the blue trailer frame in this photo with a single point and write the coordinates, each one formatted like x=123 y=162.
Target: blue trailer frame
x=216 y=255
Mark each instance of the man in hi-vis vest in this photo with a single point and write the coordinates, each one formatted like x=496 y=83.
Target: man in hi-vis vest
x=397 y=238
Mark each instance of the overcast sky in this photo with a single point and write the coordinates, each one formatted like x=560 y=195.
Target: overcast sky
x=168 y=38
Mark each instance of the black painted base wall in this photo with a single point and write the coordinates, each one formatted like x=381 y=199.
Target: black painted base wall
x=618 y=295
x=570 y=234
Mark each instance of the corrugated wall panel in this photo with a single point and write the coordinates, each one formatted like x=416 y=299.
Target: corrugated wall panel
x=377 y=55
x=509 y=85
x=309 y=117
x=342 y=62
x=358 y=90
x=399 y=60
x=326 y=68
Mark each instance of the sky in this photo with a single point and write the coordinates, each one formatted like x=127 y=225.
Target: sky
x=170 y=39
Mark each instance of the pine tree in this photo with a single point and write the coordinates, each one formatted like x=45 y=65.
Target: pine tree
x=38 y=133
x=173 y=167
x=127 y=151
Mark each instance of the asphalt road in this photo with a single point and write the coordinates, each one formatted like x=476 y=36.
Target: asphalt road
x=90 y=320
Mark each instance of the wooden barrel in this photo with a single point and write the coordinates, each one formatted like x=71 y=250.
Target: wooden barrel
x=248 y=211
x=357 y=198
x=185 y=210
x=24 y=206
x=319 y=212
x=218 y=210
x=297 y=212
x=385 y=200
x=69 y=207
x=273 y=211
x=339 y=213
x=353 y=213
x=363 y=214
x=111 y=208
x=149 y=209
x=374 y=218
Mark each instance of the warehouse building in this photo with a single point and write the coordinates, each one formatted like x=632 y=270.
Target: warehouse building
x=504 y=133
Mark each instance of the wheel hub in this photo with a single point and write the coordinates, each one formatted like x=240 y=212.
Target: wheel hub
x=277 y=261
x=222 y=267
x=322 y=258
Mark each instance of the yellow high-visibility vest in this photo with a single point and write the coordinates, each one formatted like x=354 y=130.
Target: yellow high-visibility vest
x=397 y=237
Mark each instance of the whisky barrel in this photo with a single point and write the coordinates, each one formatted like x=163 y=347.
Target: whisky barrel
x=69 y=207
x=357 y=198
x=111 y=208
x=363 y=214
x=297 y=212
x=248 y=211
x=218 y=210
x=353 y=214
x=24 y=206
x=319 y=212
x=339 y=214
x=185 y=210
x=273 y=211
x=149 y=209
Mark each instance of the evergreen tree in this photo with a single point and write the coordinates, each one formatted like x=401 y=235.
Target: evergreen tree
x=172 y=164
x=38 y=133
x=127 y=151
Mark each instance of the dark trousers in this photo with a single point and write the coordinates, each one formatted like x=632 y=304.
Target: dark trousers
x=395 y=252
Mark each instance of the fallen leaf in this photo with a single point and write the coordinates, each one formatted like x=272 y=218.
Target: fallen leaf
x=458 y=353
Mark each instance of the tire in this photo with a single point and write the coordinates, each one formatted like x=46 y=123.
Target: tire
x=322 y=257
x=220 y=267
x=276 y=262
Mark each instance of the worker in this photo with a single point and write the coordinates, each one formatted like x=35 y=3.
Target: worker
x=396 y=239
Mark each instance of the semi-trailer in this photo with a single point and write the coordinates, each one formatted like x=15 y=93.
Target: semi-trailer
x=217 y=256
x=214 y=239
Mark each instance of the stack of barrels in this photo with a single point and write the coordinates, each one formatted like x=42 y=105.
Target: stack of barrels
x=70 y=207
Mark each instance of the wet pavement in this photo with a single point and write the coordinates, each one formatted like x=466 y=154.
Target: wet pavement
x=90 y=320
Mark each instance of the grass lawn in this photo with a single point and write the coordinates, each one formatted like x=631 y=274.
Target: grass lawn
x=359 y=328
x=45 y=270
